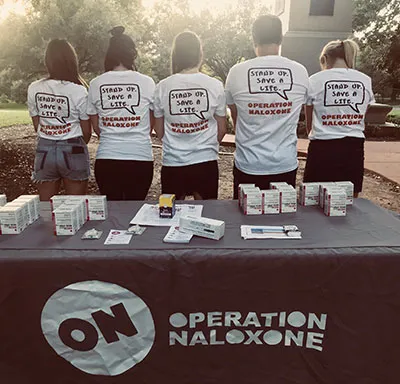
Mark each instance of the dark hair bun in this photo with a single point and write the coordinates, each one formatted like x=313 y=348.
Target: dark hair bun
x=117 y=31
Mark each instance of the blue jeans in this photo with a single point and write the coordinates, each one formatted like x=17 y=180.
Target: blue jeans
x=61 y=159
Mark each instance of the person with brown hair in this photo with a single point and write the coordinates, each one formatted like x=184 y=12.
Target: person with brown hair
x=190 y=111
x=338 y=101
x=57 y=105
x=120 y=107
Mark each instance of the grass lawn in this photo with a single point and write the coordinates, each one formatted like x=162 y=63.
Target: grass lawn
x=395 y=112
x=13 y=114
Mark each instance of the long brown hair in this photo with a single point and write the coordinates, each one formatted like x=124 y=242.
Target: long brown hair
x=186 y=52
x=346 y=50
x=62 y=62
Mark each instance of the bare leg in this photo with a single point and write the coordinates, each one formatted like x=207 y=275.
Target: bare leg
x=356 y=195
x=48 y=189
x=75 y=187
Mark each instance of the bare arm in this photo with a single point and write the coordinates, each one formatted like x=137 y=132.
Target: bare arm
x=221 y=124
x=35 y=122
x=94 y=119
x=86 y=127
x=159 y=126
x=234 y=114
x=308 y=111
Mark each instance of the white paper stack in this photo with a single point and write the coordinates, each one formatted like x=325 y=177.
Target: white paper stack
x=178 y=236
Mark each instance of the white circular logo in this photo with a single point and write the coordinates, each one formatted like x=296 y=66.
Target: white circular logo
x=100 y=328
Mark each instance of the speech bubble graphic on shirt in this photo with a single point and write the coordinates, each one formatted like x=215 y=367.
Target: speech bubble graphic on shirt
x=120 y=96
x=270 y=80
x=52 y=106
x=193 y=101
x=341 y=93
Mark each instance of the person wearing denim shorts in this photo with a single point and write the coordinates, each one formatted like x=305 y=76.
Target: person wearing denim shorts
x=58 y=106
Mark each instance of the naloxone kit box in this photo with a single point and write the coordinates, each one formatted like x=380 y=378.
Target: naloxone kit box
x=167 y=206
x=203 y=227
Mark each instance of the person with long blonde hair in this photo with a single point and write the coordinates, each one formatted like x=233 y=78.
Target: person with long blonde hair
x=338 y=100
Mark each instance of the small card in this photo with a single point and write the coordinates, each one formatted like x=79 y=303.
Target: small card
x=176 y=235
x=118 y=237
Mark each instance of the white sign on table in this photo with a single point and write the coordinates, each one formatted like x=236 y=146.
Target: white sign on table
x=149 y=215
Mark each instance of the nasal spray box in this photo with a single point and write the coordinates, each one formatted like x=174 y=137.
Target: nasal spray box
x=348 y=186
x=252 y=201
x=11 y=220
x=288 y=197
x=271 y=202
x=335 y=201
x=203 y=227
x=322 y=189
x=167 y=206
x=25 y=210
x=34 y=203
x=66 y=220
x=241 y=189
x=97 y=207
x=309 y=194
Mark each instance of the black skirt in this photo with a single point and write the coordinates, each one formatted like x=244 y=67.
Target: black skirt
x=183 y=181
x=336 y=160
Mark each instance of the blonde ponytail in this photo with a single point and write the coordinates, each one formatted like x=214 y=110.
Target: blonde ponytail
x=351 y=50
x=346 y=50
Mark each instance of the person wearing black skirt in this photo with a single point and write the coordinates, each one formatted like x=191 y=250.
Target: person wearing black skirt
x=189 y=110
x=338 y=100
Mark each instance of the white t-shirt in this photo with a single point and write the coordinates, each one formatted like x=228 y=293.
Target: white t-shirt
x=123 y=100
x=60 y=106
x=340 y=98
x=268 y=92
x=188 y=103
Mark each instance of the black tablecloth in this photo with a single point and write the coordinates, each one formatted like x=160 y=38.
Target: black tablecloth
x=324 y=309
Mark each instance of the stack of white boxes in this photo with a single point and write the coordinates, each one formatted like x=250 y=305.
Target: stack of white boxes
x=16 y=215
x=288 y=197
x=70 y=213
x=280 y=199
x=332 y=197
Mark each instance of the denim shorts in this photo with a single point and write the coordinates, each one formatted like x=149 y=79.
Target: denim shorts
x=61 y=159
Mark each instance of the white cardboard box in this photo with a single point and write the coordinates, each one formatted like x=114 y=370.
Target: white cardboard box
x=271 y=202
x=252 y=202
x=309 y=194
x=11 y=220
x=348 y=186
x=25 y=210
x=241 y=187
x=97 y=206
x=36 y=203
x=276 y=184
x=66 y=220
x=288 y=199
x=31 y=207
x=322 y=188
x=335 y=202
x=203 y=227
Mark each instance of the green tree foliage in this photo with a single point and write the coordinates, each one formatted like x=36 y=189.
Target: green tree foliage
x=378 y=23
x=226 y=36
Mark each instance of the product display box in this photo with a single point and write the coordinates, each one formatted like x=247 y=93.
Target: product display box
x=335 y=201
x=203 y=227
x=309 y=194
x=167 y=206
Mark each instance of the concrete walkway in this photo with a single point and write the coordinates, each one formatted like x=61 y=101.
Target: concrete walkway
x=381 y=157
